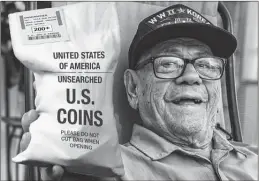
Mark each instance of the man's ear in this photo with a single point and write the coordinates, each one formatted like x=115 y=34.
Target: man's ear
x=131 y=82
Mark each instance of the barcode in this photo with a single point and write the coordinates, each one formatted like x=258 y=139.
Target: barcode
x=44 y=36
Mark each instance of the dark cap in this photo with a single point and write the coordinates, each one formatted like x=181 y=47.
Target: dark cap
x=180 y=21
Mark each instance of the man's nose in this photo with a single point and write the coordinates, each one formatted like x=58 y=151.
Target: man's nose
x=189 y=76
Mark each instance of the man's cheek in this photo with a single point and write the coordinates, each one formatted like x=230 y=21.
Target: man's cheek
x=157 y=99
x=146 y=83
x=152 y=94
x=214 y=96
x=145 y=93
x=215 y=92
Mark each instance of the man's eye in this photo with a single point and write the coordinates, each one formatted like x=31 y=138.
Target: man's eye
x=168 y=64
x=207 y=69
x=202 y=66
x=207 y=66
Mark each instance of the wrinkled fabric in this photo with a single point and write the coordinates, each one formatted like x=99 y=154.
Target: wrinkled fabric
x=91 y=27
x=150 y=157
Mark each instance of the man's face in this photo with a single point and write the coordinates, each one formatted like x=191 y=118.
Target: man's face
x=181 y=108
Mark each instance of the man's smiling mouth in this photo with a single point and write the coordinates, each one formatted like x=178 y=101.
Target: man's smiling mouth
x=181 y=101
x=187 y=99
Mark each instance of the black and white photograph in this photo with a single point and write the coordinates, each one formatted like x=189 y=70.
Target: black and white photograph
x=123 y=90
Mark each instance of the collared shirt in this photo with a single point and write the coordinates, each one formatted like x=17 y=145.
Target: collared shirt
x=150 y=157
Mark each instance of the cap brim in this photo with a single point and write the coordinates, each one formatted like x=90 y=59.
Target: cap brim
x=221 y=42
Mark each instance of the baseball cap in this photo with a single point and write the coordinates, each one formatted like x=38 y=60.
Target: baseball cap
x=180 y=21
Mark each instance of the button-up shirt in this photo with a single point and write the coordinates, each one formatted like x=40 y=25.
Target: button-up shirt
x=150 y=157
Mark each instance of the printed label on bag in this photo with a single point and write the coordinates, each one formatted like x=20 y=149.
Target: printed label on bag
x=43 y=26
x=83 y=78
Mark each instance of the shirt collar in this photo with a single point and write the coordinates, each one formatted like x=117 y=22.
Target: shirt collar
x=156 y=147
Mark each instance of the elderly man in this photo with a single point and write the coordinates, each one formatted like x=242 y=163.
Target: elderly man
x=176 y=60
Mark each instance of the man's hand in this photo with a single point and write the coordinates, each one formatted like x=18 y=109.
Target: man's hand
x=54 y=172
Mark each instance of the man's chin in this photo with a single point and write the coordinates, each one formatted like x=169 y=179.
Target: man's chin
x=187 y=119
x=192 y=130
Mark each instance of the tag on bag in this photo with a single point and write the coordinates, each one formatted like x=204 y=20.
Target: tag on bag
x=42 y=26
x=74 y=75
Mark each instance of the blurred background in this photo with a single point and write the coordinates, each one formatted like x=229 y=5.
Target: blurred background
x=13 y=89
